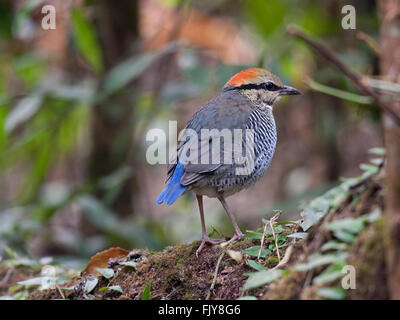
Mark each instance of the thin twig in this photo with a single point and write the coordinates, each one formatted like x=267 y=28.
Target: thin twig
x=262 y=241
x=271 y=223
x=3 y=281
x=345 y=95
x=215 y=274
x=286 y=258
x=369 y=41
x=387 y=87
x=276 y=240
x=354 y=77
x=60 y=292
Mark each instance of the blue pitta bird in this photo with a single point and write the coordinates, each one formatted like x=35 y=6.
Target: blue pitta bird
x=244 y=105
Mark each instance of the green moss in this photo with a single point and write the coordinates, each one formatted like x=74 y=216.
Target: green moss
x=369 y=262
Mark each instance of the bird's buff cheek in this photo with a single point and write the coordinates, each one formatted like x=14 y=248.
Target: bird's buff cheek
x=270 y=102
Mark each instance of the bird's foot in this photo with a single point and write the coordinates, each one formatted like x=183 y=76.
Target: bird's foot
x=209 y=240
x=238 y=235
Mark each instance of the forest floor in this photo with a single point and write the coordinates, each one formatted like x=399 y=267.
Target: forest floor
x=334 y=252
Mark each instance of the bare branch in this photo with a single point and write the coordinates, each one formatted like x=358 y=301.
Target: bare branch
x=353 y=76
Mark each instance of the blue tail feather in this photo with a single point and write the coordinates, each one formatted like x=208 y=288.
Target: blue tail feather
x=174 y=189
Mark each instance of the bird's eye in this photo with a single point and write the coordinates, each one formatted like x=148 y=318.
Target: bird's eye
x=270 y=86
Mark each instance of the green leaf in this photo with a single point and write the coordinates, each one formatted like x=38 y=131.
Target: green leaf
x=377 y=161
x=344 y=236
x=332 y=293
x=298 y=235
x=260 y=278
x=24 y=11
x=23 y=111
x=131 y=68
x=11 y=253
x=253 y=251
x=350 y=225
x=32 y=282
x=128 y=264
x=86 y=39
x=90 y=284
x=146 y=293
x=22 y=295
x=266 y=16
x=107 y=273
x=310 y=218
x=30 y=69
x=82 y=91
x=377 y=151
x=317 y=260
x=285 y=223
x=15 y=288
x=333 y=245
x=319 y=207
x=256 y=265
x=115 y=288
x=369 y=168
x=68 y=288
x=374 y=215
x=330 y=274
x=281 y=242
x=277 y=227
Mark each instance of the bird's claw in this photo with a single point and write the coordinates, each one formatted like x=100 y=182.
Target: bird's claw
x=237 y=236
x=205 y=240
x=210 y=241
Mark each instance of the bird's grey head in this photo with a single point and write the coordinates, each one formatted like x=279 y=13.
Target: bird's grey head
x=259 y=85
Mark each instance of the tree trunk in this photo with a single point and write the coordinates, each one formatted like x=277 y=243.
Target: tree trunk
x=390 y=70
x=112 y=127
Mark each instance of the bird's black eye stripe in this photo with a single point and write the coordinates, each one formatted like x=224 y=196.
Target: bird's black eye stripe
x=270 y=86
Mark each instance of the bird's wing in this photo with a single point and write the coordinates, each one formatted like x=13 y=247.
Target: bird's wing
x=225 y=112
x=173 y=161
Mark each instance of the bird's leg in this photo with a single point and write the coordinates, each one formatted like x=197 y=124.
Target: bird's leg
x=238 y=233
x=204 y=236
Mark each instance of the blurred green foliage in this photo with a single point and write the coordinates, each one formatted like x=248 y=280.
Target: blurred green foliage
x=86 y=39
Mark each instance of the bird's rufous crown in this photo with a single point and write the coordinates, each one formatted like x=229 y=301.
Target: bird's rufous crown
x=252 y=76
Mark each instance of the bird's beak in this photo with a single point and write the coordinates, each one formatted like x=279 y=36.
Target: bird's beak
x=286 y=90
